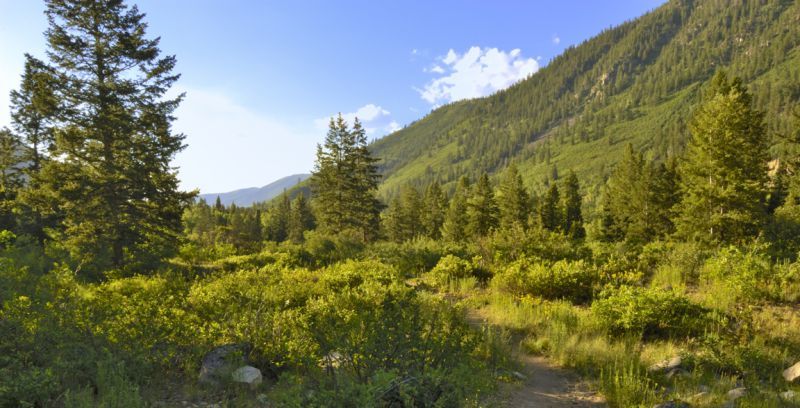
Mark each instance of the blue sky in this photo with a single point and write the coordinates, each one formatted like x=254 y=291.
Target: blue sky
x=262 y=76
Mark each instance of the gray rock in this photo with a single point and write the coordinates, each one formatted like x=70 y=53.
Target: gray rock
x=792 y=373
x=519 y=376
x=666 y=365
x=677 y=372
x=736 y=393
x=789 y=396
x=248 y=375
x=672 y=404
x=219 y=363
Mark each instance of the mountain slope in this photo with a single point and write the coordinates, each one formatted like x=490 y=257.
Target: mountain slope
x=636 y=83
x=248 y=196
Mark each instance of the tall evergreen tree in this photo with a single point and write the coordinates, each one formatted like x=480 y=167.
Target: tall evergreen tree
x=367 y=207
x=724 y=176
x=403 y=219
x=434 y=205
x=345 y=181
x=550 y=209
x=454 y=228
x=277 y=220
x=482 y=208
x=573 y=218
x=10 y=177
x=513 y=200
x=113 y=183
x=33 y=113
x=639 y=199
x=300 y=219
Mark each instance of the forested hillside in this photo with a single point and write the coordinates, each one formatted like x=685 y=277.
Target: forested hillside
x=636 y=83
x=620 y=214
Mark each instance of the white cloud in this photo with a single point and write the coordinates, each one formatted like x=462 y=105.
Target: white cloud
x=376 y=120
x=478 y=72
x=556 y=39
x=414 y=51
x=231 y=146
x=437 y=69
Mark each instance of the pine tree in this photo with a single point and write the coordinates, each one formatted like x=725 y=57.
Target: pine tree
x=345 y=181
x=33 y=113
x=573 y=218
x=454 y=228
x=113 y=183
x=549 y=209
x=300 y=219
x=367 y=207
x=11 y=177
x=277 y=227
x=481 y=208
x=434 y=206
x=724 y=175
x=403 y=219
x=513 y=200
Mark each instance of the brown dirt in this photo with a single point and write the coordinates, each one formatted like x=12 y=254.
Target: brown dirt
x=545 y=385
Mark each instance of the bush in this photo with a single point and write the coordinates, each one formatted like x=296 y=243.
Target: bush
x=411 y=258
x=649 y=313
x=449 y=269
x=732 y=276
x=572 y=281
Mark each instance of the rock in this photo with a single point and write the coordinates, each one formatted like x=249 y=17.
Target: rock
x=677 y=372
x=672 y=404
x=519 y=376
x=736 y=393
x=789 y=396
x=792 y=373
x=666 y=365
x=219 y=363
x=248 y=375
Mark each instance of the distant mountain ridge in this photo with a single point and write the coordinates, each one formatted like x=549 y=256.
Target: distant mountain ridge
x=248 y=196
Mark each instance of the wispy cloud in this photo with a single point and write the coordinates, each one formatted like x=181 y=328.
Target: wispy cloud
x=478 y=72
x=231 y=146
x=556 y=39
x=376 y=120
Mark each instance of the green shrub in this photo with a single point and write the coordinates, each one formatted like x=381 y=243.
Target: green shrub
x=572 y=281
x=650 y=313
x=450 y=268
x=411 y=258
x=732 y=276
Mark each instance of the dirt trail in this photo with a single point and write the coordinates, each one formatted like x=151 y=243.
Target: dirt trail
x=545 y=385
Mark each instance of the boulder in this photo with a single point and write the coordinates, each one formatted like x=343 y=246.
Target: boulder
x=790 y=396
x=736 y=393
x=676 y=372
x=792 y=373
x=219 y=363
x=248 y=375
x=672 y=404
x=666 y=365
